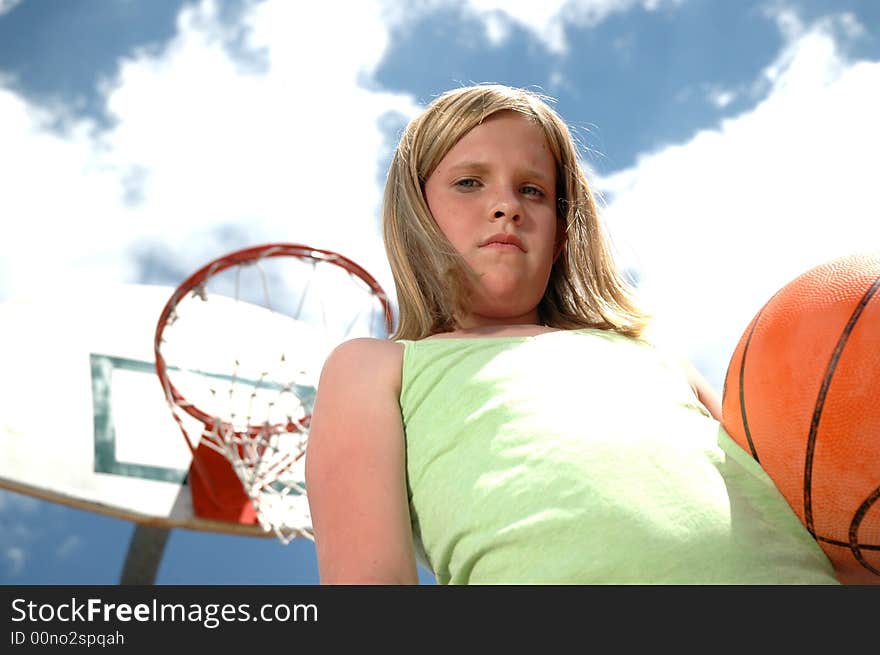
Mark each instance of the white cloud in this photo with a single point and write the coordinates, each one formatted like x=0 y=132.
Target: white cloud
x=7 y=5
x=11 y=501
x=718 y=224
x=69 y=545
x=17 y=512
x=547 y=20
x=15 y=558
x=284 y=149
x=58 y=202
x=721 y=97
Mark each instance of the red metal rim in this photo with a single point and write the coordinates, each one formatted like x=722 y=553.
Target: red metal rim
x=235 y=258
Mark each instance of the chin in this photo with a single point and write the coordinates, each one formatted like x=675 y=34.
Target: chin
x=508 y=296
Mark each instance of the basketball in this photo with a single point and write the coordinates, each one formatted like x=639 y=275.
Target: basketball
x=802 y=396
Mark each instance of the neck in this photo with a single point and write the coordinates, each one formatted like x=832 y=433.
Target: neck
x=480 y=323
x=477 y=325
x=506 y=330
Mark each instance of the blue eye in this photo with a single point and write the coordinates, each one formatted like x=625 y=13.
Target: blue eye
x=467 y=183
x=532 y=190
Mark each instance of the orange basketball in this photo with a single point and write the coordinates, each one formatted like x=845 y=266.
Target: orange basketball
x=802 y=396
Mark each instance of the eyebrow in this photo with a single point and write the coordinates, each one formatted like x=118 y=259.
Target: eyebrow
x=480 y=167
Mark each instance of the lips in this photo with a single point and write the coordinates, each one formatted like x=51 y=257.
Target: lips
x=503 y=239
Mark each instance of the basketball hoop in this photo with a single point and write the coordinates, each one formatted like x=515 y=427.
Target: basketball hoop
x=239 y=347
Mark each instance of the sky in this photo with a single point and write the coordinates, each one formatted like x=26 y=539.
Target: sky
x=732 y=146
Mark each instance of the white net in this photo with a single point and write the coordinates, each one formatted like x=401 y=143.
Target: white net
x=243 y=350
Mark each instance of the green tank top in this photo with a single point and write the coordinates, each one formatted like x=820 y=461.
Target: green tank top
x=584 y=457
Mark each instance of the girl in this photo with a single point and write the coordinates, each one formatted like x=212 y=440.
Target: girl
x=519 y=427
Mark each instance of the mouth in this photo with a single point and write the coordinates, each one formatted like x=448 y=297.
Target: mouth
x=504 y=241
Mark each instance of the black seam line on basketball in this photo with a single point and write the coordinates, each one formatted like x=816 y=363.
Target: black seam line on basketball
x=742 y=376
x=742 y=373
x=846 y=544
x=854 y=545
x=820 y=403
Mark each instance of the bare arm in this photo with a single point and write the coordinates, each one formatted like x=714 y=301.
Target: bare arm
x=356 y=469
x=706 y=394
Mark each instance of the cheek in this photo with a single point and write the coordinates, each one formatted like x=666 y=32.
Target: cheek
x=434 y=201
x=551 y=232
x=451 y=218
x=442 y=219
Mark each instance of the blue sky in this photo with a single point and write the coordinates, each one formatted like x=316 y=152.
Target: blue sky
x=733 y=145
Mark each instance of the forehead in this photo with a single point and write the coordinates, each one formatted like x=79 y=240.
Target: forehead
x=506 y=133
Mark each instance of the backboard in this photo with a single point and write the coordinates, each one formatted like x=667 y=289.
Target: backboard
x=83 y=419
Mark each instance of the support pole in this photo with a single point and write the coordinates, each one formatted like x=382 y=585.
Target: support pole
x=144 y=555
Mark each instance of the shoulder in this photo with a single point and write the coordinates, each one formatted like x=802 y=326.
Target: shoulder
x=357 y=397
x=673 y=352
x=363 y=361
x=367 y=347
x=704 y=391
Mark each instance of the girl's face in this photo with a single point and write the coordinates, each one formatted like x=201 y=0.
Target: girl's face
x=494 y=197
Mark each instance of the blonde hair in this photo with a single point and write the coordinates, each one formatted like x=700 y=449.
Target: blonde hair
x=432 y=280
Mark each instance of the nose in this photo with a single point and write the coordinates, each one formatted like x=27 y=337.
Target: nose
x=507 y=207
